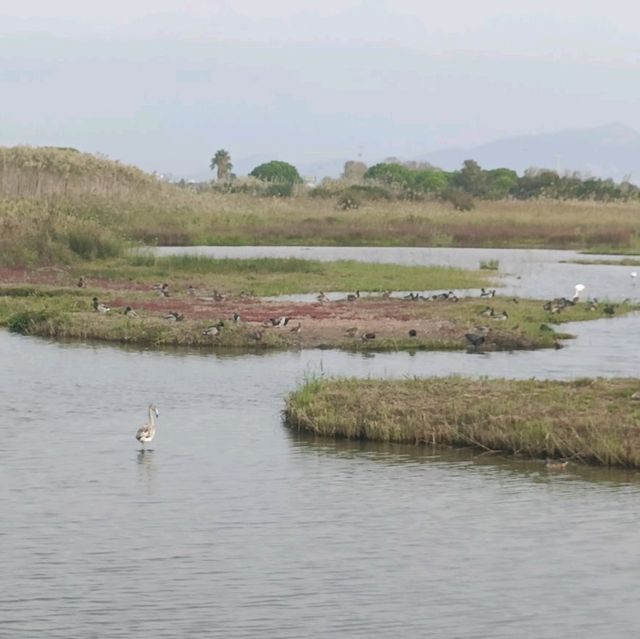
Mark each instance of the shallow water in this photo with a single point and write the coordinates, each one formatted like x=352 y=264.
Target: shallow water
x=534 y=273
x=232 y=526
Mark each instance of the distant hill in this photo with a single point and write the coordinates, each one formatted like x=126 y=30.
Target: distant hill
x=611 y=151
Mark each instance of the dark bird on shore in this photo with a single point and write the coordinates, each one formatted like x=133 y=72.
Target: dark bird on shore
x=99 y=307
x=366 y=337
x=475 y=339
x=352 y=297
x=487 y=293
x=82 y=282
x=279 y=322
x=172 y=316
x=129 y=312
x=322 y=297
x=236 y=318
x=609 y=309
x=413 y=332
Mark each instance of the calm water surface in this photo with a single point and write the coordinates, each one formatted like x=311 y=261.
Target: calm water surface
x=234 y=527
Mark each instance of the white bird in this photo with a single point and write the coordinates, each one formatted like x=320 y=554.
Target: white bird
x=578 y=289
x=147 y=432
x=633 y=277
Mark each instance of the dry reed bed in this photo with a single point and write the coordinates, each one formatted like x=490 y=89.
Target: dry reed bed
x=586 y=420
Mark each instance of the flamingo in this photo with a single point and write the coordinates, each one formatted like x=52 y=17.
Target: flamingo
x=147 y=432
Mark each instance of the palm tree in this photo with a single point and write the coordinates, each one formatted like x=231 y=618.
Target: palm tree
x=222 y=161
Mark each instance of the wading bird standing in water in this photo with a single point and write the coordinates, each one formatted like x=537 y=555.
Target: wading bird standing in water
x=147 y=432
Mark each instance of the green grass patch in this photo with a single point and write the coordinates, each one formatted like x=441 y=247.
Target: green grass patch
x=587 y=420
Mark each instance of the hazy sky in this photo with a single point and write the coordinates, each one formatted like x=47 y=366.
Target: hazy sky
x=164 y=83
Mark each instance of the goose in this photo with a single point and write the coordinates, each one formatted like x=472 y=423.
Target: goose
x=129 y=312
x=555 y=465
x=147 y=432
x=99 y=307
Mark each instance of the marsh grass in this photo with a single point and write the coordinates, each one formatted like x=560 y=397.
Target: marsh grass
x=587 y=420
x=282 y=276
x=489 y=265
x=60 y=206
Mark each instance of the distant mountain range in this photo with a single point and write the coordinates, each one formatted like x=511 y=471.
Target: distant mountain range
x=611 y=151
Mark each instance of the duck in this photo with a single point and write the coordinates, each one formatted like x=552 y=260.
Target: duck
x=162 y=289
x=172 y=316
x=367 y=337
x=555 y=465
x=146 y=433
x=500 y=316
x=129 y=312
x=352 y=297
x=214 y=329
x=99 y=307
x=475 y=339
x=82 y=282
x=322 y=297
x=412 y=332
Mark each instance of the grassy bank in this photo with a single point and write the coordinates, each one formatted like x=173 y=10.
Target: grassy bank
x=280 y=276
x=588 y=420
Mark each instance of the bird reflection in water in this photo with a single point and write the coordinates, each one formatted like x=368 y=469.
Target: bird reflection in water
x=147 y=468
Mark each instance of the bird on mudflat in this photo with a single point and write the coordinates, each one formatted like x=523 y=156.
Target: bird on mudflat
x=129 y=312
x=147 y=432
x=99 y=307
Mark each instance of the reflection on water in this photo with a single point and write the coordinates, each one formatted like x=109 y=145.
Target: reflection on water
x=233 y=526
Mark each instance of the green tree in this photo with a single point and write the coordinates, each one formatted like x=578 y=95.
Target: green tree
x=471 y=179
x=222 y=162
x=278 y=172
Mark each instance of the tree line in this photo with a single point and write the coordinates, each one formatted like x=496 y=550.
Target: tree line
x=394 y=179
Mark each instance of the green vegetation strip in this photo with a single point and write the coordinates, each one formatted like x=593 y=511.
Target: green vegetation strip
x=282 y=276
x=587 y=420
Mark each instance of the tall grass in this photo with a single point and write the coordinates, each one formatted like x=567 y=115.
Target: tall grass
x=53 y=203
x=589 y=420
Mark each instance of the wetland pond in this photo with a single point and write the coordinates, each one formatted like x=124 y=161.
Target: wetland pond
x=233 y=526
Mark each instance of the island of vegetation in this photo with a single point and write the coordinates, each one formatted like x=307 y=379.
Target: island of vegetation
x=586 y=420
x=74 y=228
